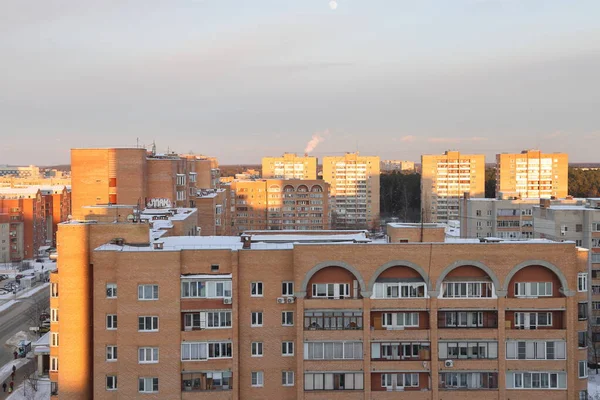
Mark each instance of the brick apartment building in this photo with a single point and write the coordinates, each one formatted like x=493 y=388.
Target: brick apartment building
x=290 y=166
x=34 y=213
x=146 y=312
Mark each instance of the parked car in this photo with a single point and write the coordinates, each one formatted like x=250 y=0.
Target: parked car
x=39 y=260
x=44 y=316
x=19 y=276
x=3 y=277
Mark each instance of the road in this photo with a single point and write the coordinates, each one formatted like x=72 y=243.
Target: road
x=15 y=319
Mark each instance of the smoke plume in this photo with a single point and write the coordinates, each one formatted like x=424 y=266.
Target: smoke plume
x=314 y=141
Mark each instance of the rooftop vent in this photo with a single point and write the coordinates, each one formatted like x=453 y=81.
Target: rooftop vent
x=118 y=241
x=158 y=245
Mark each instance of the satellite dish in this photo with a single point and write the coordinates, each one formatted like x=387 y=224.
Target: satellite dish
x=130 y=218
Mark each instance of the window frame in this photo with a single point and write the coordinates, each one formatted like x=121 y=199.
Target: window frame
x=113 y=386
x=113 y=325
x=286 y=346
x=256 y=289
x=152 y=383
x=582 y=282
x=255 y=316
x=258 y=377
x=256 y=349
x=111 y=353
x=145 y=350
x=152 y=319
x=142 y=290
x=287 y=378
x=285 y=318
x=287 y=288
x=111 y=288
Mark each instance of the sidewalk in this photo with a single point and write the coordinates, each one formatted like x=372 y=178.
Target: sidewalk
x=6 y=370
x=7 y=301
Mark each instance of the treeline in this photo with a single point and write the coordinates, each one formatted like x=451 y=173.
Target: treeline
x=584 y=183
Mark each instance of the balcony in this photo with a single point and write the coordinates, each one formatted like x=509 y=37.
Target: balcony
x=207 y=381
x=333 y=320
x=401 y=351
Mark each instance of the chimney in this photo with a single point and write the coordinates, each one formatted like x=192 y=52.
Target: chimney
x=544 y=203
x=247 y=242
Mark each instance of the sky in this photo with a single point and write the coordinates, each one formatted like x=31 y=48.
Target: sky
x=243 y=79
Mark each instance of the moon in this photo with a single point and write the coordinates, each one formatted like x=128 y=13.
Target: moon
x=333 y=4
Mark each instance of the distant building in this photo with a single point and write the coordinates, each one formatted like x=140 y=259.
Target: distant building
x=532 y=174
x=214 y=211
x=445 y=179
x=289 y=166
x=355 y=185
x=19 y=172
x=397 y=165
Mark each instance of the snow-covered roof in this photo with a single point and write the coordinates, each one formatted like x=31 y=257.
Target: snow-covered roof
x=207 y=276
x=43 y=341
x=300 y=238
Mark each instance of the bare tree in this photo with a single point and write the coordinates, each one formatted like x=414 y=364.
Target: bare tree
x=37 y=306
x=30 y=381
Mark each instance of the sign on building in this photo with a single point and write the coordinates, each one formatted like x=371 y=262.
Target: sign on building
x=158 y=203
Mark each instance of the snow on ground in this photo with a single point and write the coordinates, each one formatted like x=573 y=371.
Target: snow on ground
x=6 y=369
x=593 y=383
x=7 y=305
x=43 y=391
x=25 y=293
x=17 y=337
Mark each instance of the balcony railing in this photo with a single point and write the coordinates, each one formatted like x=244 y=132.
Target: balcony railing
x=467 y=319
x=207 y=381
x=333 y=321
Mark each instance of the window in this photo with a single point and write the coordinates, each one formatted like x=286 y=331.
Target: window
x=535 y=350
x=333 y=320
x=333 y=351
x=398 y=381
x=148 y=355
x=53 y=363
x=111 y=290
x=536 y=380
x=180 y=195
x=582 y=285
x=534 y=320
x=333 y=381
x=147 y=292
x=54 y=315
x=287 y=318
x=331 y=290
x=193 y=177
x=582 y=311
x=111 y=353
x=582 y=369
x=467 y=290
x=256 y=289
x=54 y=290
x=533 y=289
x=148 y=385
x=583 y=395
x=398 y=290
x=53 y=339
x=111 y=321
x=257 y=379
x=582 y=339
x=207 y=320
x=478 y=213
x=207 y=381
x=578 y=228
x=180 y=179
x=400 y=351
x=197 y=351
x=214 y=267
x=257 y=318
x=256 y=349
x=205 y=289
x=287 y=378
x=287 y=348
x=147 y=324
x=468 y=380
x=400 y=320
x=468 y=350
x=111 y=382
x=287 y=288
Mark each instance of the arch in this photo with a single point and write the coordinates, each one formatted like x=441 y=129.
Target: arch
x=302 y=188
x=542 y=263
x=288 y=188
x=326 y=264
x=399 y=263
x=274 y=188
x=469 y=263
x=316 y=188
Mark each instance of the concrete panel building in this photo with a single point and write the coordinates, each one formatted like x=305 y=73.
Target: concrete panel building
x=305 y=316
x=397 y=166
x=445 y=179
x=289 y=166
x=532 y=174
x=354 y=192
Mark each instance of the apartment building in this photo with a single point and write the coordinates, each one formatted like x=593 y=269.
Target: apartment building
x=502 y=218
x=445 y=179
x=335 y=316
x=289 y=166
x=34 y=214
x=214 y=210
x=5 y=251
x=354 y=193
x=397 y=166
x=280 y=204
x=532 y=174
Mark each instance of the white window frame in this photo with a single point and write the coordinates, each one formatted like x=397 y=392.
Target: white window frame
x=523 y=320
x=287 y=288
x=453 y=290
x=287 y=349
x=206 y=350
x=399 y=290
x=211 y=289
x=339 y=290
x=532 y=289
x=256 y=319
x=111 y=382
x=53 y=315
x=53 y=339
x=256 y=289
x=333 y=350
x=287 y=318
x=257 y=378
x=53 y=364
x=392 y=381
x=148 y=381
x=143 y=353
x=519 y=380
x=535 y=350
x=111 y=322
x=153 y=318
x=111 y=290
x=206 y=318
x=153 y=292
x=399 y=320
x=54 y=289
x=582 y=282
x=256 y=349
x=287 y=378
x=111 y=353
x=581 y=369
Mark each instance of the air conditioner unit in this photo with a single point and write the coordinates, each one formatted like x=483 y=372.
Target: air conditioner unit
x=280 y=300
x=449 y=363
x=227 y=300
x=291 y=300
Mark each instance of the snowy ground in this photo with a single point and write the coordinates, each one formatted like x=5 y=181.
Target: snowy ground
x=10 y=298
x=43 y=391
x=593 y=384
x=6 y=369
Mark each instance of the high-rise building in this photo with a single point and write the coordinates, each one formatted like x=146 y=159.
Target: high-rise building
x=445 y=179
x=266 y=316
x=397 y=165
x=354 y=193
x=532 y=174
x=280 y=204
x=289 y=166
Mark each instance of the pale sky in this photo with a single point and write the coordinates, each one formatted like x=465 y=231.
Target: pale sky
x=242 y=79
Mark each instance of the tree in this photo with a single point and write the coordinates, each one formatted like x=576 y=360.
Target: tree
x=400 y=196
x=490 y=183
x=37 y=306
x=30 y=381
